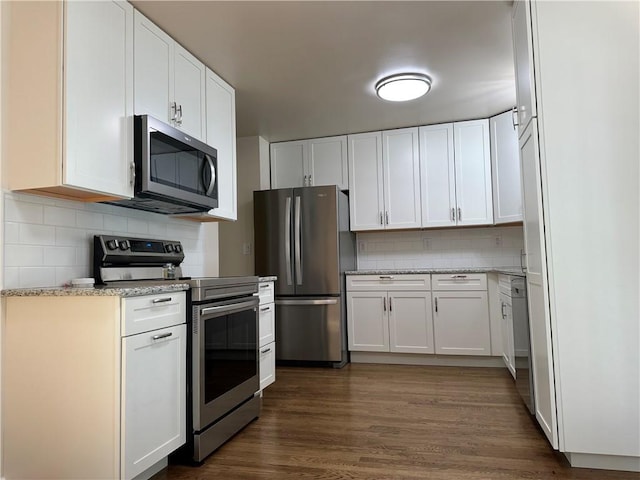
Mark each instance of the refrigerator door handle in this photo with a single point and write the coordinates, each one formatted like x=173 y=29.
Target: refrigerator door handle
x=287 y=238
x=318 y=301
x=297 y=247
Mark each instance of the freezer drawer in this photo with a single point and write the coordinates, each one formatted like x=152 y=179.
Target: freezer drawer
x=309 y=329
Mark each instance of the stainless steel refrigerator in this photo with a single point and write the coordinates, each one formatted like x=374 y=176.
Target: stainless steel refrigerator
x=302 y=236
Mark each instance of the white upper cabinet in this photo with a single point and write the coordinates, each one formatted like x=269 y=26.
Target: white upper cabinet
x=221 y=134
x=522 y=50
x=288 y=160
x=384 y=180
x=314 y=162
x=79 y=103
x=401 y=165
x=169 y=81
x=473 y=173
x=456 y=174
x=505 y=163
x=366 y=198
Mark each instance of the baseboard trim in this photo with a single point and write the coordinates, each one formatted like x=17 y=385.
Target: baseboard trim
x=604 y=462
x=434 y=360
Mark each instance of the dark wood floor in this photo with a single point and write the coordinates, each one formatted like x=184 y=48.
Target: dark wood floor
x=390 y=422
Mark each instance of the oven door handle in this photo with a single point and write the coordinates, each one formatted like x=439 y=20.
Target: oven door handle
x=323 y=301
x=233 y=307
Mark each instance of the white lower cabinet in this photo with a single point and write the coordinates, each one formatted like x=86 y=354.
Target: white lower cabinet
x=115 y=392
x=508 y=349
x=461 y=314
x=267 y=335
x=389 y=313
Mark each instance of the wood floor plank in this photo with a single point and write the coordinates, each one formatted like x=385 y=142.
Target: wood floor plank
x=396 y=422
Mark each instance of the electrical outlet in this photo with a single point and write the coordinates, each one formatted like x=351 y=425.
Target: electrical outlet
x=426 y=244
x=246 y=248
x=498 y=240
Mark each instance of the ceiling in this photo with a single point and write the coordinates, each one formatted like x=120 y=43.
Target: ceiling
x=307 y=69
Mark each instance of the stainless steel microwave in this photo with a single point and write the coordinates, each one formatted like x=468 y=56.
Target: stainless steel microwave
x=174 y=172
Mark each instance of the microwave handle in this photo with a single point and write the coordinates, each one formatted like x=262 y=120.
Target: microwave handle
x=212 y=167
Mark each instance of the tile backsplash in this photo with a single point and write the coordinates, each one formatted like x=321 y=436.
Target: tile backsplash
x=47 y=242
x=461 y=247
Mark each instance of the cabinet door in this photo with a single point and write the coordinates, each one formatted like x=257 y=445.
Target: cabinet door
x=437 y=176
x=410 y=322
x=267 y=365
x=473 y=173
x=288 y=161
x=366 y=199
x=401 y=163
x=505 y=162
x=537 y=285
x=266 y=324
x=154 y=393
x=522 y=50
x=328 y=162
x=461 y=323
x=99 y=97
x=153 y=59
x=367 y=321
x=189 y=83
x=221 y=134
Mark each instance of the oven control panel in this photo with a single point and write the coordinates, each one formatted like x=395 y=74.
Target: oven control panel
x=130 y=249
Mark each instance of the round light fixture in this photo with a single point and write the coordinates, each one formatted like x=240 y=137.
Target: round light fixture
x=403 y=87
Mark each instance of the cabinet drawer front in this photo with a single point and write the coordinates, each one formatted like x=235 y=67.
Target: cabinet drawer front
x=267 y=326
x=383 y=282
x=459 y=281
x=150 y=312
x=267 y=365
x=265 y=292
x=504 y=281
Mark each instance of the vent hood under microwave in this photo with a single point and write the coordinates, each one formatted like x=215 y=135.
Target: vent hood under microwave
x=174 y=172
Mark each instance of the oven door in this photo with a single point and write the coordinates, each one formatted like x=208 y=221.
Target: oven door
x=225 y=357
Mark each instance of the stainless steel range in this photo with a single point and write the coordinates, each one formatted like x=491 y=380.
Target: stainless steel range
x=222 y=350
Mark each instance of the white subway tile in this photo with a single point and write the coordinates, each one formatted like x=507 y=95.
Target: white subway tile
x=11 y=277
x=11 y=232
x=158 y=230
x=74 y=237
x=23 y=212
x=37 y=234
x=37 y=277
x=61 y=216
x=60 y=256
x=88 y=219
x=83 y=256
x=137 y=226
x=115 y=223
x=23 y=256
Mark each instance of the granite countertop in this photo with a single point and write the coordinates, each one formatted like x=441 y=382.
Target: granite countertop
x=271 y=278
x=503 y=270
x=98 y=291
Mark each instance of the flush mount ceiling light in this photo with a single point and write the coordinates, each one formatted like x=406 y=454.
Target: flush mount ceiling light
x=403 y=87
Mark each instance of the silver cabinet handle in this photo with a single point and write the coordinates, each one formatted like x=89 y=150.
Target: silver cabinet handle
x=304 y=180
x=179 y=115
x=264 y=285
x=502 y=305
x=390 y=305
x=458 y=276
x=436 y=299
x=161 y=300
x=309 y=181
x=384 y=304
x=386 y=217
x=174 y=111
x=523 y=264
x=386 y=277
x=514 y=116
x=459 y=214
x=297 y=242
x=287 y=239
x=381 y=223
x=212 y=170
x=266 y=350
x=132 y=167
x=453 y=214
x=265 y=309
x=161 y=335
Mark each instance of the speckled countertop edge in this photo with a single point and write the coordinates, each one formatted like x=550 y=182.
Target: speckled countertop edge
x=271 y=278
x=505 y=271
x=94 y=292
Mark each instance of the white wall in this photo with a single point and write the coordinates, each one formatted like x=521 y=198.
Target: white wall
x=234 y=237
x=461 y=247
x=4 y=47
